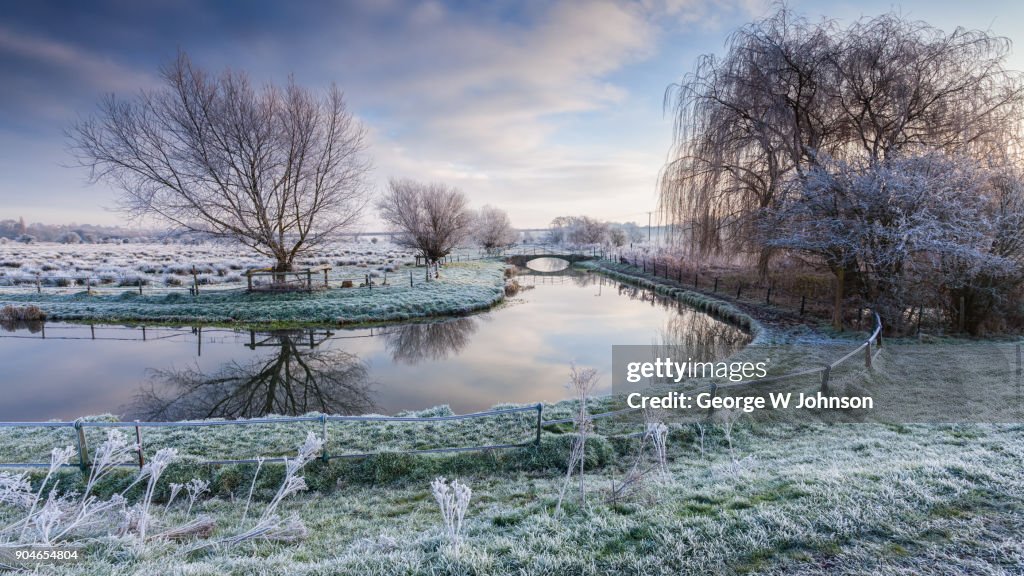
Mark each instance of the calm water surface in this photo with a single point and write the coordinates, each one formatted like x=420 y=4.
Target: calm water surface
x=519 y=352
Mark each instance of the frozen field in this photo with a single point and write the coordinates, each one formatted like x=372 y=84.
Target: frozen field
x=170 y=266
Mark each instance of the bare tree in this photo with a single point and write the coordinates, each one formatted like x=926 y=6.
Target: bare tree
x=432 y=218
x=279 y=169
x=493 y=229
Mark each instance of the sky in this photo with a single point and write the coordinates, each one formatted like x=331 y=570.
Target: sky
x=540 y=108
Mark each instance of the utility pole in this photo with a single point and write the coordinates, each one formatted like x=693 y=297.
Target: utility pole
x=648 y=227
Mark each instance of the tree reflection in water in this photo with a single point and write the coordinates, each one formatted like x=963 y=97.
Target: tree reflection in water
x=292 y=381
x=415 y=343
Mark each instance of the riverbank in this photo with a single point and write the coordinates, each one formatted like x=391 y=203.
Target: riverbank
x=463 y=288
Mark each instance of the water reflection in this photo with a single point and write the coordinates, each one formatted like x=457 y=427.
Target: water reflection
x=547 y=264
x=419 y=342
x=518 y=354
x=300 y=377
x=32 y=326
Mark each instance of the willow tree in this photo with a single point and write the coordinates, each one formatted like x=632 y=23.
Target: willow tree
x=788 y=92
x=279 y=169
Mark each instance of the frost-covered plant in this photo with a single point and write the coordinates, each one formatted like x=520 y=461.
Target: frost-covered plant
x=15 y=489
x=252 y=487
x=293 y=483
x=58 y=457
x=113 y=451
x=701 y=434
x=195 y=488
x=582 y=383
x=175 y=490
x=152 y=472
x=657 y=433
x=453 y=500
x=727 y=420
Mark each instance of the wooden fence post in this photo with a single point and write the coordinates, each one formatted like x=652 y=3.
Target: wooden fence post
x=309 y=279
x=138 y=441
x=410 y=278
x=195 y=281
x=39 y=287
x=739 y=288
x=140 y=286
x=83 y=449
x=824 y=378
x=803 y=300
x=716 y=285
x=867 y=354
x=540 y=422
x=323 y=423
x=327 y=284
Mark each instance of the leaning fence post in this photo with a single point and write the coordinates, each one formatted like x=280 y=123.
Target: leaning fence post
x=83 y=449
x=824 y=378
x=138 y=441
x=540 y=412
x=323 y=425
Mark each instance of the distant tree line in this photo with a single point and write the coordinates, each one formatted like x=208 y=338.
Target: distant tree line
x=582 y=230
x=19 y=231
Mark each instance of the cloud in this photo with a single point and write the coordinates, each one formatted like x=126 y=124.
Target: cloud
x=44 y=76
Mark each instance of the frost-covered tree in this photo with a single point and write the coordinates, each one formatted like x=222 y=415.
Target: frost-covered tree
x=431 y=218
x=280 y=169
x=578 y=230
x=492 y=228
x=900 y=229
x=788 y=92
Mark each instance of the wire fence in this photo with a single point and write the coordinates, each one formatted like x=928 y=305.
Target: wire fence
x=200 y=279
x=804 y=293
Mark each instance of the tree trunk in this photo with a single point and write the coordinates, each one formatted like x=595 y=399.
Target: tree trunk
x=837 y=306
x=283 y=265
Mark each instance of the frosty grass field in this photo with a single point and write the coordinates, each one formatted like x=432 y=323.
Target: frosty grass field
x=766 y=498
x=166 y=270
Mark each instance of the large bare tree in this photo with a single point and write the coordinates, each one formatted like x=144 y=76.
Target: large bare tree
x=280 y=169
x=431 y=218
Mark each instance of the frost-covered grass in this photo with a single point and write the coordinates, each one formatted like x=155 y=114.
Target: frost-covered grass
x=65 y=267
x=462 y=288
x=851 y=499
